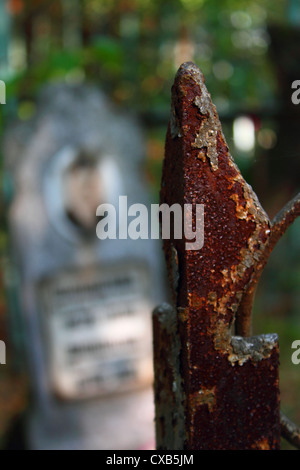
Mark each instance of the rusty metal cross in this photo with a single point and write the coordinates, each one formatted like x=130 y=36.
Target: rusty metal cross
x=216 y=386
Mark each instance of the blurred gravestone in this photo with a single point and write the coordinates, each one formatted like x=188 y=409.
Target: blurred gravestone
x=85 y=302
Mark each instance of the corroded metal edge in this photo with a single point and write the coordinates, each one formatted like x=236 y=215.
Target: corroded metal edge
x=168 y=387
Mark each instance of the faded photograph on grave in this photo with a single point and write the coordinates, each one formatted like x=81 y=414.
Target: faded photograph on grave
x=85 y=93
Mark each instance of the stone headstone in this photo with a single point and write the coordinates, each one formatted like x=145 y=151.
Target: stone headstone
x=86 y=303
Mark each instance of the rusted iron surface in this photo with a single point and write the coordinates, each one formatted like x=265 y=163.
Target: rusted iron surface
x=290 y=431
x=169 y=400
x=229 y=390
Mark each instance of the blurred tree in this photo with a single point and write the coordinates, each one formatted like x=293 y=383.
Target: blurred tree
x=229 y=42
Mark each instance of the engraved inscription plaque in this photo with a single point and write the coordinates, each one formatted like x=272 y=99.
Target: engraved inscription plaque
x=96 y=326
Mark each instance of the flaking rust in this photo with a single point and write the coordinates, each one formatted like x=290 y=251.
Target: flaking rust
x=226 y=394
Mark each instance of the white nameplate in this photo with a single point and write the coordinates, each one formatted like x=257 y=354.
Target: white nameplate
x=97 y=328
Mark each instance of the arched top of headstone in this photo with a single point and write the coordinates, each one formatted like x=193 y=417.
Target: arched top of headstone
x=80 y=116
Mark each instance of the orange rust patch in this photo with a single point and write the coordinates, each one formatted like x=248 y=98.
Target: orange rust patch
x=262 y=445
x=204 y=396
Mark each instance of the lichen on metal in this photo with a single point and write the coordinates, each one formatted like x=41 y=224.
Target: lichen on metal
x=255 y=348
